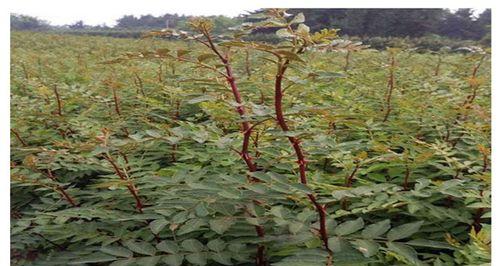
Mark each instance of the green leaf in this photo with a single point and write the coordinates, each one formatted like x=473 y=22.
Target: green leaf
x=430 y=244
x=367 y=247
x=376 y=229
x=404 y=231
x=192 y=245
x=117 y=251
x=204 y=57
x=295 y=227
x=217 y=245
x=349 y=227
x=200 y=99
x=303 y=29
x=284 y=33
x=140 y=247
x=126 y=262
x=182 y=52
x=153 y=133
x=93 y=258
x=168 y=246
x=148 y=261
x=299 y=18
x=223 y=258
x=173 y=260
x=197 y=258
x=408 y=253
x=261 y=176
x=157 y=225
x=221 y=225
x=290 y=55
x=191 y=225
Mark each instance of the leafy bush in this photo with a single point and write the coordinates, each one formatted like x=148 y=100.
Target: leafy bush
x=228 y=152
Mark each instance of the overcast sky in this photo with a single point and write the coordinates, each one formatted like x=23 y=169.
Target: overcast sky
x=95 y=12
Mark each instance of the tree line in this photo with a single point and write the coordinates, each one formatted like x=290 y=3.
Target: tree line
x=458 y=24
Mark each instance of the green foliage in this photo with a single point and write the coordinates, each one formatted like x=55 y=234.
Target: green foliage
x=127 y=152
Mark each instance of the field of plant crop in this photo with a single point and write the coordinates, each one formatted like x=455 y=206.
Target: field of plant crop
x=218 y=151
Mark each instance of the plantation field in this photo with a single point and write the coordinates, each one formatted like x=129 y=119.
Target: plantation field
x=139 y=152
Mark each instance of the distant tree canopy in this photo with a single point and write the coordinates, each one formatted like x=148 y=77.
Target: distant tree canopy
x=22 y=22
x=401 y=22
x=461 y=24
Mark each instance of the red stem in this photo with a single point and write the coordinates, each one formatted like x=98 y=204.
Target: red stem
x=390 y=88
x=130 y=185
x=406 y=186
x=59 y=103
x=18 y=137
x=301 y=160
x=117 y=101
x=350 y=178
x=260 y=259
x=63 y=192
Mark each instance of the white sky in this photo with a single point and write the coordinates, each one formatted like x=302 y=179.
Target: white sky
x=94 y=12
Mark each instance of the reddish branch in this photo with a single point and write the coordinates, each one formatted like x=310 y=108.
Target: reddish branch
x=247 y=64
x=468 y=101
x=160 y=73
x=61 y=189
x=245 y=125
x=58 y=99
x=406 y=179
x=130 y=185
x=390 y=89
x=301 y=159
x=18 y=137
x=348 y=183
x=350 y=178
x=138 y=82
x=260 y=259
x=116 y=100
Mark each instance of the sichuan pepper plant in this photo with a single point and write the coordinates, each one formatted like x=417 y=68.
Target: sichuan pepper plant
x=205 y=149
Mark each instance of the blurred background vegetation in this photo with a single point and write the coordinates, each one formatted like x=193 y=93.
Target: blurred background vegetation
x=426 y=28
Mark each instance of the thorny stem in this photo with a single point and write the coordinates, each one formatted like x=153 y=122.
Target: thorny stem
x=58 y=99
x=390 y=88
x=55 y=187
x=247 y=64
x=477 y=217
x=116 y=100
x=245 y=125
x=485 y=162
x=138 y=82
x=61 y=248
x=61 y=190
x=160 y=73
x=130 y=185
x=260 y=259
x=350 y=178
x=295 y=142
x=348 y=183
x=18 y=137
x=468 y=101
x=407 y=177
